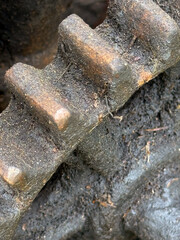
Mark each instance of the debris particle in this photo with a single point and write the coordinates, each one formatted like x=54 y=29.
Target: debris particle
x=132 y=42
x=148 y=150
x=100 y=117
x=55 y=150
x=120 y=118
x=66 y=69
x=24 y=227
x=108 y=108
x=104 y=204
x=171 y=181
x=126 y=213
x=109 y=201
x=156 y=129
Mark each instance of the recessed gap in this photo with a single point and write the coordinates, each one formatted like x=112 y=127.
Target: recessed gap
x=93 y=12
x=4 y=100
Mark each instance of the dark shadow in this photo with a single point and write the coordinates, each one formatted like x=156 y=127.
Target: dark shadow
x=4 y=100
x=93 y=12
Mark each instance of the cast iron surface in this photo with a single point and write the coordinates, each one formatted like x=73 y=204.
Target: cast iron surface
x=112 y=170
x=52 y=110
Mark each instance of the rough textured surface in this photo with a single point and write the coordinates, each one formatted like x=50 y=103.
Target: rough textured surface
x=116 y=147
x=170 y=7
x=152 y=25
x=97 y=59
x=143 y=57
x=34 y=151
x=157 y=214
x=118 y=181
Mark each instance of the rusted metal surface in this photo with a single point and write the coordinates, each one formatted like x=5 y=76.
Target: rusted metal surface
x=153 y=26
x=95 y=72
x=97 y=58
x=12 y=175
x=39 y=96
x=125 y=159
x=87 y=49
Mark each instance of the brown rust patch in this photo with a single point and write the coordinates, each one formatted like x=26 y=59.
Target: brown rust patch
x=46 y=105
x=94 y=48
x=12 y=175
x=151 y=24
x=144 y=77
x=39 y=98
x=96 y=57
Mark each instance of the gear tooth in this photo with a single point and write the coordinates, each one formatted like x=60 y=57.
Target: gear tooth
x=153 y=26
x=87 y=49
x=27 y=82
x=99 y=61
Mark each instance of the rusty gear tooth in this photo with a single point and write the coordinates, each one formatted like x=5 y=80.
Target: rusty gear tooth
x=87 y=49
x=151 y=24
x=155 y=43
x=25 y=81
x=99 y=61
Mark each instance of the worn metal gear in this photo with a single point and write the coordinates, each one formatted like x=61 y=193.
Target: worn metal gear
x=52 y=110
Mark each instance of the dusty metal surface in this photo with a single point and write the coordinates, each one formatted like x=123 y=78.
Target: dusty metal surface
x=95 y=72
x=158 y=216
x=126 y=159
